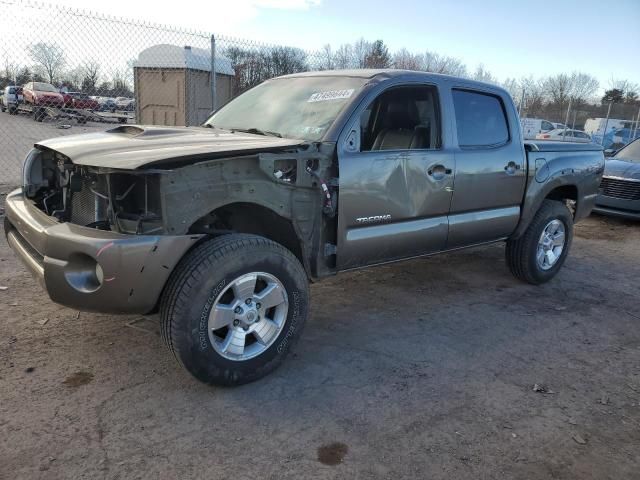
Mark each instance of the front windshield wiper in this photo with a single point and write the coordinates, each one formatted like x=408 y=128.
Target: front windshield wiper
x=257 y=131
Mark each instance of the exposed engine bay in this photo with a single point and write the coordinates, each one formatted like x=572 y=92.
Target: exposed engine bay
x=93 y=197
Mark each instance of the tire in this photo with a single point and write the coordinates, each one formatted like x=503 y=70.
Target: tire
x=522 y=254
x=3 y=108
x=206 y=279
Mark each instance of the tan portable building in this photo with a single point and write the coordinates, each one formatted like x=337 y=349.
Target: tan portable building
x=173 y=85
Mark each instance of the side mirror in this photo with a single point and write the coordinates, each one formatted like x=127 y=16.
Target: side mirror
x=609 y=152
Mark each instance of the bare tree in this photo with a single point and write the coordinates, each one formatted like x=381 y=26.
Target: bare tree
x=481 y=74
x=360 y=50
x=514 y=88
x=558 y=88
x=534 y=96
x=436 y=63
x=90 y=75
x=11 y=70
x=406 y=60
x=343 y=57
x=583 y=87
x=48 y=56
x=326 y=54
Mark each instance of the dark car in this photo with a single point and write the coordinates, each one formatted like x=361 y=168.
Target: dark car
x=619 y=192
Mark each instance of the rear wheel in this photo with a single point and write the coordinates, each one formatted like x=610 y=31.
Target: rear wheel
x=537 y=256
x=233 y=308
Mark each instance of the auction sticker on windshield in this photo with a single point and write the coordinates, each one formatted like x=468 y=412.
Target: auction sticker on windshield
x=330 y=95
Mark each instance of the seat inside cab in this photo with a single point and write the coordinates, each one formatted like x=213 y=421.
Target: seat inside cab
x=402 y=118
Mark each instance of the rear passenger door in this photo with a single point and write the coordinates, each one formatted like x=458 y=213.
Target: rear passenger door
x=490 y=169
x=395 y=179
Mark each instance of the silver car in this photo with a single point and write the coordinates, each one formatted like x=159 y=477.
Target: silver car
x=566 y=135
x=619 y=193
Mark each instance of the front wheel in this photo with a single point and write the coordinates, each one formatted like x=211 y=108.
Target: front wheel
x=537 y=256
x=233 y=308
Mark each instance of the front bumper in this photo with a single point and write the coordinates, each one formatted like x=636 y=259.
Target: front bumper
x=617 y=207
x=89 y=269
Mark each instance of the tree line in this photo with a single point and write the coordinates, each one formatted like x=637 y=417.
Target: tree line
x=548 y=97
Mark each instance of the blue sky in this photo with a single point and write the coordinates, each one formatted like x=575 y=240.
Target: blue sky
x=511 y=38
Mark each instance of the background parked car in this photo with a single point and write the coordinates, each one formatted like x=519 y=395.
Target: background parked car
x=562 y=135
x=619 y=193
x=42 y=94
x=81 y=100
x=11 y=96
x=106 y=104
x=125 y=103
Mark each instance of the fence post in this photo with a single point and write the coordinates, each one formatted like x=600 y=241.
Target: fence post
x=566 y=119
x=214 y=100
x=606 y=123
x=521 y=103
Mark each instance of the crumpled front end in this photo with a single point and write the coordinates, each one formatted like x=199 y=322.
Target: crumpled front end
x=93 y=238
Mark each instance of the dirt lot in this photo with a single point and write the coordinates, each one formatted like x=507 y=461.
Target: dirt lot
x=18 y=133
x=423 y=369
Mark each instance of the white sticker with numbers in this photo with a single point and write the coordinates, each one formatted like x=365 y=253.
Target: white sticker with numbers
x=330 y=95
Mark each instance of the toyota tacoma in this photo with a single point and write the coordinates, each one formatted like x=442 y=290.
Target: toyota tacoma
x=222 y=227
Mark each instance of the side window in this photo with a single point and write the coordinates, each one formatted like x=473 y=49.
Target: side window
x=547 y=126
x=480 y=119
x=403 y=118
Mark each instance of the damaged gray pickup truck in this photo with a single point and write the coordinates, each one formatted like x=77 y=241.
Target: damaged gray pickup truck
x=220 y=228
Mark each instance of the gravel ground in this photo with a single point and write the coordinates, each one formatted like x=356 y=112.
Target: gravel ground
x=422 y=369
x=18 y=133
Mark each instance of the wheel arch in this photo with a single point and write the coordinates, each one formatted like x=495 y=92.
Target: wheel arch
x=559 y=189
x=253 y=218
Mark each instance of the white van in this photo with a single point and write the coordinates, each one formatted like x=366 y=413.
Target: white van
x=11 y=96
x=596 y=126
x=533 y=126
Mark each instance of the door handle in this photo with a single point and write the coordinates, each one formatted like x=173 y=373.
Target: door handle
x=511 y=168
x=439 y=171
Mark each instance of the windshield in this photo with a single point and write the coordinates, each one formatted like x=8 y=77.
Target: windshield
x=302 y=107
x=630 y=153
x=44 y=87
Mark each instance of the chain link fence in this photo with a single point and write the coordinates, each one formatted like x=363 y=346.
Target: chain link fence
x=66 y=71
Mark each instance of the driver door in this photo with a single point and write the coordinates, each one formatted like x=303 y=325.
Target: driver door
x=396 y=180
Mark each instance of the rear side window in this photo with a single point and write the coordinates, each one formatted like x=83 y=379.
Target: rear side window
x=480 y=119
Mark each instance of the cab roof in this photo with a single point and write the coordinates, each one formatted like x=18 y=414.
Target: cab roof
x=392 y=73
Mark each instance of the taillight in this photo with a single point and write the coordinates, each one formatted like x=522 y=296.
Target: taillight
x=546 y=136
